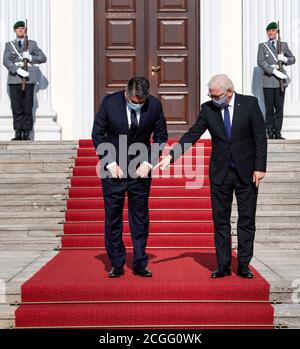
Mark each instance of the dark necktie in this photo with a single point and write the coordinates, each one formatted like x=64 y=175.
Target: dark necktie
x=134 y=124
x=227 y=124
x=273 y=44
x=20 y=44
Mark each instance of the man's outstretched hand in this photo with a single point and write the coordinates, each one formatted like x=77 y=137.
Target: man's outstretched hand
x=164 y=163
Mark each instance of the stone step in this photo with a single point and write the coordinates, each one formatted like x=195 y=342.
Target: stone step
x=36 y=166
x=277 y=207
x=287 y=314
x=35 y=177
x=283 y=317
x=35 y=244
x=54 y=177
x=42 y=183
x=287 y=217
x=271 y=246
x=279 y=166
x=7 y=316
x=27 y=189
x=36 y=156
x=34 y=197
x=263 y=199
x=29 y=234
x=260 y=238
x=27 y=206
x=33 y=218
x=11 y=153
x=31 y=228
x=37 y=146
x=274 y=217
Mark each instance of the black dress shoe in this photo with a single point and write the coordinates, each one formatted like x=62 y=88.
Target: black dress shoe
x=278 y=135
x=220 y=273
x=144 y=272
x=18 y=136
x=116 y=272
x=244 y=272
x=26 y=135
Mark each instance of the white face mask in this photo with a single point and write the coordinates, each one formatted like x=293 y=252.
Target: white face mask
x=134 y=106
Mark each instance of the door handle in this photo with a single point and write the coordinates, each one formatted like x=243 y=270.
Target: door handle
x=155 y=69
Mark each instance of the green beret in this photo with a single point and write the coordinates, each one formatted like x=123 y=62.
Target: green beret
x=272 y=25
x=19 y=24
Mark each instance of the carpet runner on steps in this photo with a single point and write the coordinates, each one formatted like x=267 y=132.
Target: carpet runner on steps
x=73 y=289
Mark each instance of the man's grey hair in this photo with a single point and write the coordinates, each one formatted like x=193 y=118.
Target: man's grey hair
x=221 y=81
x=138 y=86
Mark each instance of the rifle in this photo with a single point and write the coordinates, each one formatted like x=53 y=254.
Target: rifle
x=25 y=61
x=279 y=50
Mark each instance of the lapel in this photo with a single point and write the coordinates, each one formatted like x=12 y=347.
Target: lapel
x=124 y=117
x=221 y=122
x=236 y=115
x=142 y=116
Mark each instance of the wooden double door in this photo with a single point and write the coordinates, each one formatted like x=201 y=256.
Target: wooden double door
x=158 y=39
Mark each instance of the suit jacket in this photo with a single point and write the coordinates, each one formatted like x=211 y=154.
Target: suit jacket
x=111 y=122
x=265 y=60
x=248 y=143
x=10 y=58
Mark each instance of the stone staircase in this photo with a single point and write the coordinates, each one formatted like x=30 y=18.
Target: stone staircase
x=277 y=247
x=33 y=189
x=34 y=177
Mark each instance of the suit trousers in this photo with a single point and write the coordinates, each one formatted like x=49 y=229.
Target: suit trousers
x=274 y=102
x=138 y=213
x=22 y=105
x=222 y=196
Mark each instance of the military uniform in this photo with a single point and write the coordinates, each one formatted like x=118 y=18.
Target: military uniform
x=267 y=60
x=22 y=101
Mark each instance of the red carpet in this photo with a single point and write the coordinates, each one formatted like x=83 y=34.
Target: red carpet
x=73 y=289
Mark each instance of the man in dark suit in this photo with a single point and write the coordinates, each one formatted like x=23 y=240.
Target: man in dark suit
x=123 y=128
x=238 y=163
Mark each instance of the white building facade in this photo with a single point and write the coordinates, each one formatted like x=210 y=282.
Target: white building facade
x=230 y=33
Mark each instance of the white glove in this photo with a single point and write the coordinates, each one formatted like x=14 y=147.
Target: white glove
x=22 y=73
x=115 y=170
x=279 y=74
x=27 y=55
x=282 y=58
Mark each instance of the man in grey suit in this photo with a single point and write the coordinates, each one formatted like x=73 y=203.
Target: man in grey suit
x=268 y=59
x=22 y=101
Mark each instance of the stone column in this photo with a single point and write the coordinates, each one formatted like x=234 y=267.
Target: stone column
x=37 y=13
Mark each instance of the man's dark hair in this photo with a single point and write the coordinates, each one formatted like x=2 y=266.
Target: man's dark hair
x=138 y=86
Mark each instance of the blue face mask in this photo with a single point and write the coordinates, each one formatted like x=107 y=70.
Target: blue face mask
x=134 y=106
x=220 y=103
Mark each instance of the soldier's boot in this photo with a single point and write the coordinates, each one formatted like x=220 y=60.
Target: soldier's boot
x=270 y=134
x=278 y=135
x=18 y=136
x=26 y=135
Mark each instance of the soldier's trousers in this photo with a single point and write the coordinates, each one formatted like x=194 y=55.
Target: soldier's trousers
x=22 y=105
x=274 y=102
